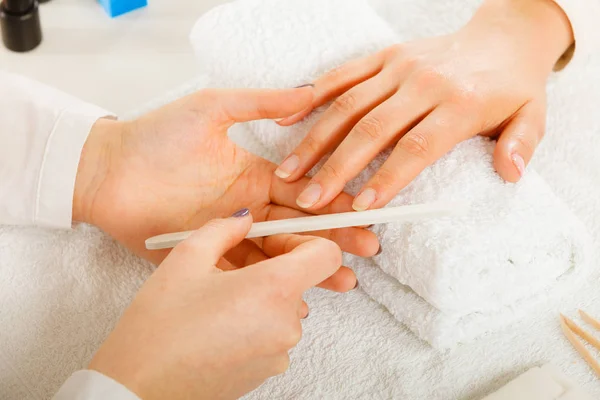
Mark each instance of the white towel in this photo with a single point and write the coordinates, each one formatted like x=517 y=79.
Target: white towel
x=448 y=280
x=62 y=292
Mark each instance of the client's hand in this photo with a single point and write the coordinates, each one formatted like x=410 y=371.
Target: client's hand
x=425 y=96
x=195 y=332
x=175 y=168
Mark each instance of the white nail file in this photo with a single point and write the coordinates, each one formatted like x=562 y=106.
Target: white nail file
x=329 y=221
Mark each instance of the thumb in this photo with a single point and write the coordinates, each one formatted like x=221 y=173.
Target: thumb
x=518 y=141
x=252 y=104
x=209 y=243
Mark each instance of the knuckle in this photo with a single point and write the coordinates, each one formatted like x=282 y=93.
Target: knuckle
x=393 y=51
x=428 y=77
x=415 y=144
x=331 y=172
x=405 y=65
x=312 y=144
x=465 y=98
x=336 y=73
x=345 y=104
x=385 y=179
x=371 y=128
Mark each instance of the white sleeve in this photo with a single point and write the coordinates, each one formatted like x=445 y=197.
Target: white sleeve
x=92 y=385
x=583 y=16
x=42 y=133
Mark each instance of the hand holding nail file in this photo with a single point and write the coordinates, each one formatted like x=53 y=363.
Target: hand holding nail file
x=330 y=221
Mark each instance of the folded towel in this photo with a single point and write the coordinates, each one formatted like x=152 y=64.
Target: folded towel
x=465 y=275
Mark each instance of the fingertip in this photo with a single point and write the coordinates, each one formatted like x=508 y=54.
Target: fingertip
x=508 y=161
x=293 y=119
x=364 y=200
x=342 y=281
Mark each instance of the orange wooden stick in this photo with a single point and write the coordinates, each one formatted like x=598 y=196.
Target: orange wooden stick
x=569 y=328
x=593 y=322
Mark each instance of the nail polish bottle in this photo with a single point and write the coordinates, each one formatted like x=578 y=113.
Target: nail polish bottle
x=20 y=24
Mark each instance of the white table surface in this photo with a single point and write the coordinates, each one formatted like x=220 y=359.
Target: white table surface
x=116 y=63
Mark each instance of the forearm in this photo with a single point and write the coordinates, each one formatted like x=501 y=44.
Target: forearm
x=541 y=27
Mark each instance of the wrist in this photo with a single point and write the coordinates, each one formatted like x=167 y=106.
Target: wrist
x=97 y=157
x=540 y=28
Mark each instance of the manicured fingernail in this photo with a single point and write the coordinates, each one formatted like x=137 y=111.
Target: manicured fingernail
x=379 y=251
x=288 y=167
x=241 y=213
x=309 y=196
x=305 y=85
x=519 y=163
x=364 y=200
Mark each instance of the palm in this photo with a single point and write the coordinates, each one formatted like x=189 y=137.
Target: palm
x=175 y=169
x=182 y=181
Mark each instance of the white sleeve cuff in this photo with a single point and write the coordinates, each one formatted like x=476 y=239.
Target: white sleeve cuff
x=583 y=16
x=92 y=385
x=54 y=202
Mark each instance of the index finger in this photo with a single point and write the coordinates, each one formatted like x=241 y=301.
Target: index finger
x=300 y=262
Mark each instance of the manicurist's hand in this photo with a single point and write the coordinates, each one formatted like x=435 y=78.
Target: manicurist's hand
x=196 y=332
x=175 y=168
x=423 y=97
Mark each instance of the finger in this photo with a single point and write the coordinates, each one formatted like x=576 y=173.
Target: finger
x=225 y=265
x=421 y=146
x=335 y=124
x=340 y=80
x=342 y=281
x=242 y=105
x=357 y=241
x=305 y=261
x=212 y=241
x=285 y=194
x=249 y=253
x=519 y=139
x=369 y=137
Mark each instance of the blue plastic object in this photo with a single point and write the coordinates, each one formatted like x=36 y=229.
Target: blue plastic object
x=114 y=8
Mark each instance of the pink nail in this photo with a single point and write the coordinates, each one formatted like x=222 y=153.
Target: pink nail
x=309 y=196
x=519 y=163
x=288 y=167
x=364 y=200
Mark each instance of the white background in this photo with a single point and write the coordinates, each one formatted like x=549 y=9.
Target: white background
x=119 y=63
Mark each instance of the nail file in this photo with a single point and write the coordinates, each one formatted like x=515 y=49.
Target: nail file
x=329 y=221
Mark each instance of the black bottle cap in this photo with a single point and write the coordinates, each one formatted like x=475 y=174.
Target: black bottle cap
x=20 y=23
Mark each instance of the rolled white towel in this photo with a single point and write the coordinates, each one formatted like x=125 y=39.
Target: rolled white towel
x=513 y=247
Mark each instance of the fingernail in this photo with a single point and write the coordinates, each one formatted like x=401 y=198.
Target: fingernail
x=305 y=85
x=288 y=167
x=519 y=163
x=241 y=213
x=355 y=286
x=379 y=251
x=364 y=200
x=309 y=196
x=306 y=316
